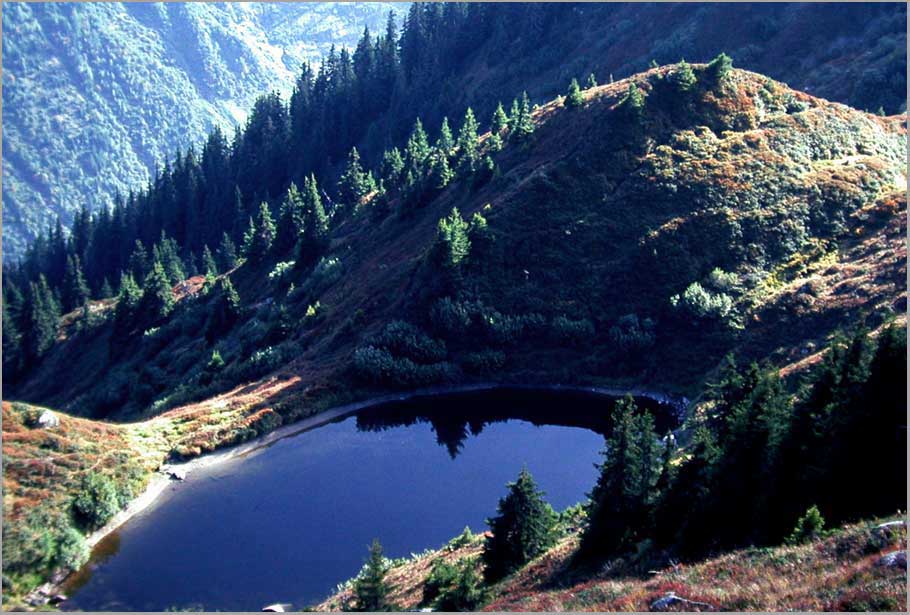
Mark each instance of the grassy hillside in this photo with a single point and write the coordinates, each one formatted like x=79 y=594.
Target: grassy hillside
x=838 y=573
x=96 y=95
x=633 y=240
x=769 y=217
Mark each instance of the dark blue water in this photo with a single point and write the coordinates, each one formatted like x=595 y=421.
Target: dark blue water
x=289 y=522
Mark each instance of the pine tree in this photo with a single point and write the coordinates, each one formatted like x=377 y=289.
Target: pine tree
x=574 y=97
x=445 y=142
x=591 y=82
x=139 y=264
x=106 y=291
x=290 y=221
x=634 y=101
x=719 y=68
x=391 y=168
x=467 y=143
x=417 y=149
x=128 y=299
x=41 y=318
x=522 y=530
x=616 y=498
x=452 y=239
x=355 y=183
x=440 y=172
x=259 y=236
x=75 y=289
x=227 y=254
x=524 y=126
x=157 y=299
x=370 y=588
x=498 y=124
x=682 y=77
x=208 y=261
x=314 y=238
x=225 y=310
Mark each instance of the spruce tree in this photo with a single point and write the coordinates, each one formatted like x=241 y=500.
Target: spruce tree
x=498 y=124
x=522 y=530
x=440 y=171
x=370 y=588
x=259 y=236
x=225 y=309
x=574 y=97
x=719 y=68
x=106 y=291
x=355 y=183
x=615 y=499
x=128 y=299
x=139 y=263
x=391 y=168
x=634 y=101
x=12 y=347
x=467 y=143
x=453 y=242
x=75 y=288
x=524 y=127
x=208 y=261
x=41 y=318
x=313 y=239
x=290 y=221
x=591 y=82
x=417 y=150
x=682 y=77
x=227 y=254
x=157 y=298
x=445 y=142
x=514 y=116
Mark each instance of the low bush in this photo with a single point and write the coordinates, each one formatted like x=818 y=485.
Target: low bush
x=97 y=501
x=565 y=330
x=379 y=366
x=630 y=333
x=407 y=341
x=484 y=361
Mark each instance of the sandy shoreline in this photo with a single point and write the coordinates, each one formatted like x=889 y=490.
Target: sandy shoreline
x=161 y=480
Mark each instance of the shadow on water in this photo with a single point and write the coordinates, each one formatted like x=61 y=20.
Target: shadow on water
x=455 y=417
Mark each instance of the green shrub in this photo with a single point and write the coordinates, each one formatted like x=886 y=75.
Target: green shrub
x=631 y=334
x=568 y=331
x=702 y=303
x=405 y=340
x=72 y=550
x=484 y=361
x=441 y=578
x=464 y=592
x=378 y=366
x=97 y=501
x=809 y=527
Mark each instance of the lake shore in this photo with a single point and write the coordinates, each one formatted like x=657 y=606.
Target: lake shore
x=164 y=476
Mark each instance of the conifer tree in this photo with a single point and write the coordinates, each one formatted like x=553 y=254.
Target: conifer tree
x=259 y=236
x=440 y=171
x=616 y=497
x=370 y=588
x=445 y=142
x=208 y=261
x=452 y=239
x=682 y=77
x=719 y=68
x=522 y=530
x=498 y=125
x=227 y=254
x=524 y=126
x=417 y=150
x=139 y=263
x=391 y=168
x=12 y=341
x=634 y=100
x=467 y=143
x=314 y=237
x=355 y=183
x=157 y=299
x=75 y=288
x=225 y=309
x=591 y=82
x=290 y=221
x=106 y=291
x=514 y=116
x=41 y=318
x=128 y=299
x=574 y=97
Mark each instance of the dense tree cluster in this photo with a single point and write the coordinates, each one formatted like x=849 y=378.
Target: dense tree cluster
x=241 y=193
x=768 y=466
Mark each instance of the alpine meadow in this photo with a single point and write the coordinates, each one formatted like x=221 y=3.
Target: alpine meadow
x=455 y=306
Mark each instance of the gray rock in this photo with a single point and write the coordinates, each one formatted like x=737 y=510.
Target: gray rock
x=48 y=420
x=895 y=559
x=670 y=600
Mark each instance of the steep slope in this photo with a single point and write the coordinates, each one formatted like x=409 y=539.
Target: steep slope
x=842 y=572
x=96 y=95
x=631 y=241
x=596 y=227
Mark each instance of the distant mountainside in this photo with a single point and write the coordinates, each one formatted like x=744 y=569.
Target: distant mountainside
x=96 y=94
